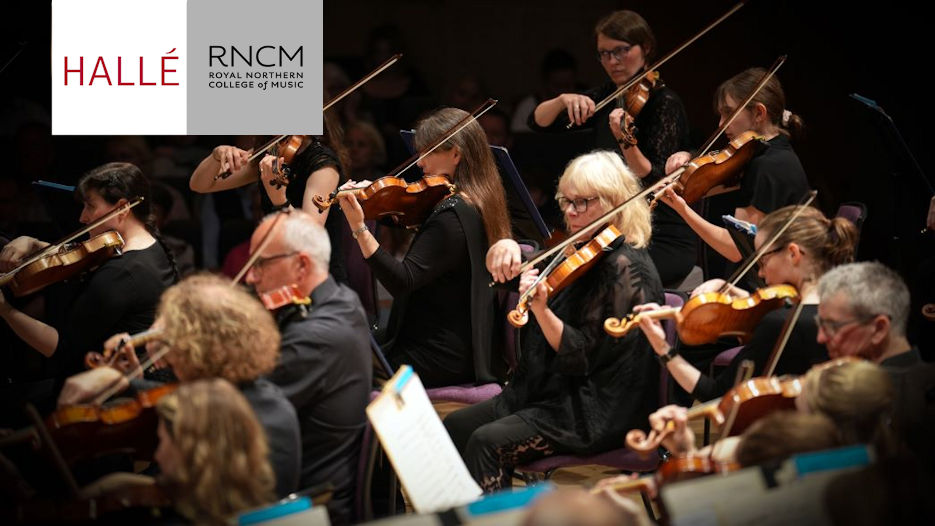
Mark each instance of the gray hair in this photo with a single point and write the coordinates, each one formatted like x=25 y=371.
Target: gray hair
x=303 y=234
x=871 y=288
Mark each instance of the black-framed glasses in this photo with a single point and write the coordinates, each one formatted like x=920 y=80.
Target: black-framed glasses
x=581 y=203
x=832 y=327
x=762 y=261
x=260 y=261
x=618 y=53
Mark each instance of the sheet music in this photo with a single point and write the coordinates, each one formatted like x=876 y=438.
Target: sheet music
x=426 y=461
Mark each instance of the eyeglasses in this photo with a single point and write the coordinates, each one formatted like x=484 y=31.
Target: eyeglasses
x=762 y=261
x=260 y=261
x=581 y=203
x=618 y=53
x=831 y=327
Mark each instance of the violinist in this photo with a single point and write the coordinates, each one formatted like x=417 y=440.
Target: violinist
x=442 y=322
x=863 y=312
x=214 y=331
x=316 y=169
x=644 y=137
x=325 y=364
x=809 y=247
x=576 y=389
x=120 y=295
x=773 y=179
x=205 y=484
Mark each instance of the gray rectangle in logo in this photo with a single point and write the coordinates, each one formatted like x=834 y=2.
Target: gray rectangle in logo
x=254 y=68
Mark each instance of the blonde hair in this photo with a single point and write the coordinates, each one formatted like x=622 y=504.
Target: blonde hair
x=216 y=330
x=476 y=174
x=827 y=242
x=857 y=395
x=602 y=174
x=224 y=466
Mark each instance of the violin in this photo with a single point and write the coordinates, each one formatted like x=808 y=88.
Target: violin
x=712 y=315
x=392 y=201
x=287 y=295
x=560 y=276
x=287 y=149
x=128 y=425
x=718 y=168
x=406 y=204
x=62 y=260
x=637 y=95
x=70 y=260
x=744 y=404
x=119 y=358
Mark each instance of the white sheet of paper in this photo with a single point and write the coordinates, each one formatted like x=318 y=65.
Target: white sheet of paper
x=426 y=461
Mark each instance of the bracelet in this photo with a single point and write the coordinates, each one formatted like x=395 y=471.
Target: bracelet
x=359 y=231
x=668 y=356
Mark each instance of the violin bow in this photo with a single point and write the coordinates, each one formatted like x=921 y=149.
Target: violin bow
x=414 y=159
x=54 y=247
x=720 y=130
x=351 y=89
x=646 y=71
x=263 y=243
x=112 y=389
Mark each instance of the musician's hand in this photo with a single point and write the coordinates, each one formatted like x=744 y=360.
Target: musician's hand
x=349 y=205
x=676 y=160
x=527 y=279
x=504 y=260
x=635 y=514
x=115 y=482
x=14 y=251
x=620 y=123
x=652 y=328
x=230 y=158
x=579 y=107
x=682 y=440
x=270 y=169
x=674 y=200
x=84 y=387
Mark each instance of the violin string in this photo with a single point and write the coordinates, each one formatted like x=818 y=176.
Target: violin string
x=138 y=371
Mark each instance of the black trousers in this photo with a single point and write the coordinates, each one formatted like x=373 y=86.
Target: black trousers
x=493 y=444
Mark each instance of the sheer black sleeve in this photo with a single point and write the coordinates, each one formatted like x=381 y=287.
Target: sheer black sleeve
x=662 y=129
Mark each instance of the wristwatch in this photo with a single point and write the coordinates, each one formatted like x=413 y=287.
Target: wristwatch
x=667 y=357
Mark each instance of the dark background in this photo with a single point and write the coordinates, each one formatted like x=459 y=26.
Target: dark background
x=834 y=49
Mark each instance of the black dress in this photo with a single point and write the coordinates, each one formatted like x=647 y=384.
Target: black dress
x=661 y=130
x=802 y=351
x=315 y=157
x=582 y=398
x=442 y=322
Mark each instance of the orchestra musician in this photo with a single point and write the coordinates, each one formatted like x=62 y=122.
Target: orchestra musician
x=325 y=364
x=214 y=330
x=118 y=296
x=645 y=137
x=810 y=246
x=442 y=322
x=576 y=388
x=774 y=178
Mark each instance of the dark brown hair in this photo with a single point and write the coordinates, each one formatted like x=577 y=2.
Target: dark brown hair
x=476 y=175
x=771 y=96
x=630 y=27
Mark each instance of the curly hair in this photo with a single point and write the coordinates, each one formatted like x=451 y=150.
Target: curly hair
x=224 y=466
x=216 y=330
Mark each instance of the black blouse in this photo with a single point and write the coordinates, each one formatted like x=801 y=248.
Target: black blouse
x=587 y=395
